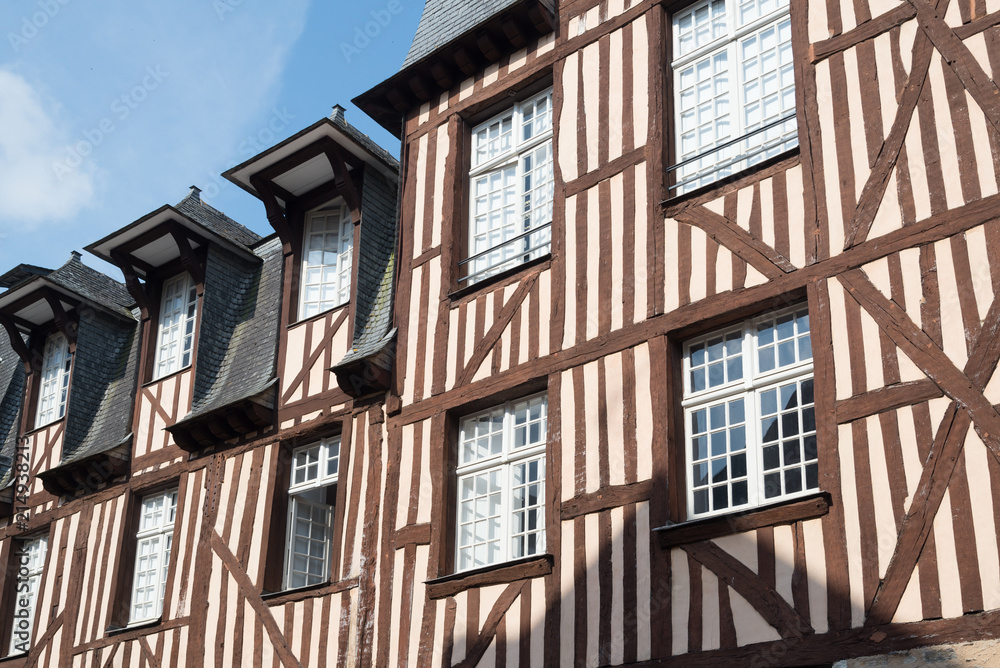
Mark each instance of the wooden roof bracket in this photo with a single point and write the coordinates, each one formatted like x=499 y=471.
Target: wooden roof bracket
x=193 y=264
x=132 y=283
x=16 y=342
x=64 y=323
x=342 y=179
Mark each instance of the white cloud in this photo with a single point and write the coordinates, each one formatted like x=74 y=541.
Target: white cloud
x=32 y=187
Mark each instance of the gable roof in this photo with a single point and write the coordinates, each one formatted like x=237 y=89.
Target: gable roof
x=93 y=285
x=216 y=221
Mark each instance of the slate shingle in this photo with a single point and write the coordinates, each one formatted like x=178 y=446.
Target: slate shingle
x=376 y=266
x=99 y=409
x=11 y=392
x=238 y=338
x=443 y=21
x=216 y=221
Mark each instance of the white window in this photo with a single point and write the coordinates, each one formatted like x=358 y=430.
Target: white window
x=52 y=391
x=511 y=188
x=312 y=493
x=30 y=563
x=750 y=429
x=175 y=335
x=152 y=555
x=326 y=260
x=501 y=484
x=734 y=87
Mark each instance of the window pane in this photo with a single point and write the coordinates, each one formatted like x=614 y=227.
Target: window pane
x=326 y=263
x=501 y=508
x=751 y=439
x=175 y=330
x=511 y=206
x=708 y=87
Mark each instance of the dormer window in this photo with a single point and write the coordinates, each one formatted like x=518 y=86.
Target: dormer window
x=326 y=260
x=175 y=334
x=54 y=385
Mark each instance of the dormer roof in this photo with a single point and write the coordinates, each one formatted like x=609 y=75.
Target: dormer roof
x=153 y=240
x=40 y=294
x=299 y=164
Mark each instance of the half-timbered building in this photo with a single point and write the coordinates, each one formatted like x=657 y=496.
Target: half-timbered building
x=670 y=340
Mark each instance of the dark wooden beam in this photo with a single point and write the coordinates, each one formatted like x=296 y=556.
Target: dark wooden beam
x=191 y=262
x=220 y=428
x=399 y=99
x=541 y=19
x=16 y=342
x=64 y=323
x=488 y=46
x=513 y=32
x=342 y=179
x=443 y=75
x=135 y=288
x=466 y=59
x=275 y=213
x=421 y=89
x=239 y=421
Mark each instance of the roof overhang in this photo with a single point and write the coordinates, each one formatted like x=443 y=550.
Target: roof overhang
x=39 y=301
x=88 y=473
x=21 y=273
x=462 y=57
x=157 y=239
x=300 y=164
x=252 y=414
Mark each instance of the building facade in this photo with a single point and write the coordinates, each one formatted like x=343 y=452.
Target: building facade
x=670 y=340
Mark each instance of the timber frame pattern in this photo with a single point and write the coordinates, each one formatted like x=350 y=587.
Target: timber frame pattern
x=884 y=222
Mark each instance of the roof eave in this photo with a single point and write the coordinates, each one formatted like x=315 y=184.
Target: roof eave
x=104 y=248
x=461 y=57
x=325 y=127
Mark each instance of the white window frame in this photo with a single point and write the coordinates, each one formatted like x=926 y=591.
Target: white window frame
x=325 y=279
x=314 y=467
x=733 y=141
x=53 y=389
x=719 y=451
x=27 y=582
x=154 y=542
x=504 y=463
x=523 y=231
x=176 y=326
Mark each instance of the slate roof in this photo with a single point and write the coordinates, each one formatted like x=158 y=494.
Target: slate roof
x=11 y=391
x=373 y=331
x=99 y=407
x=238 y=337
x=338 y=119
x=99 y=410
x=445 y=20
x=215 y=221
x=92 y=284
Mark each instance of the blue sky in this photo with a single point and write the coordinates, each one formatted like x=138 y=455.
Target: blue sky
x=111 y=108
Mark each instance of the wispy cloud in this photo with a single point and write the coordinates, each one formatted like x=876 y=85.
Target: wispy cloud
x=31 y=142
